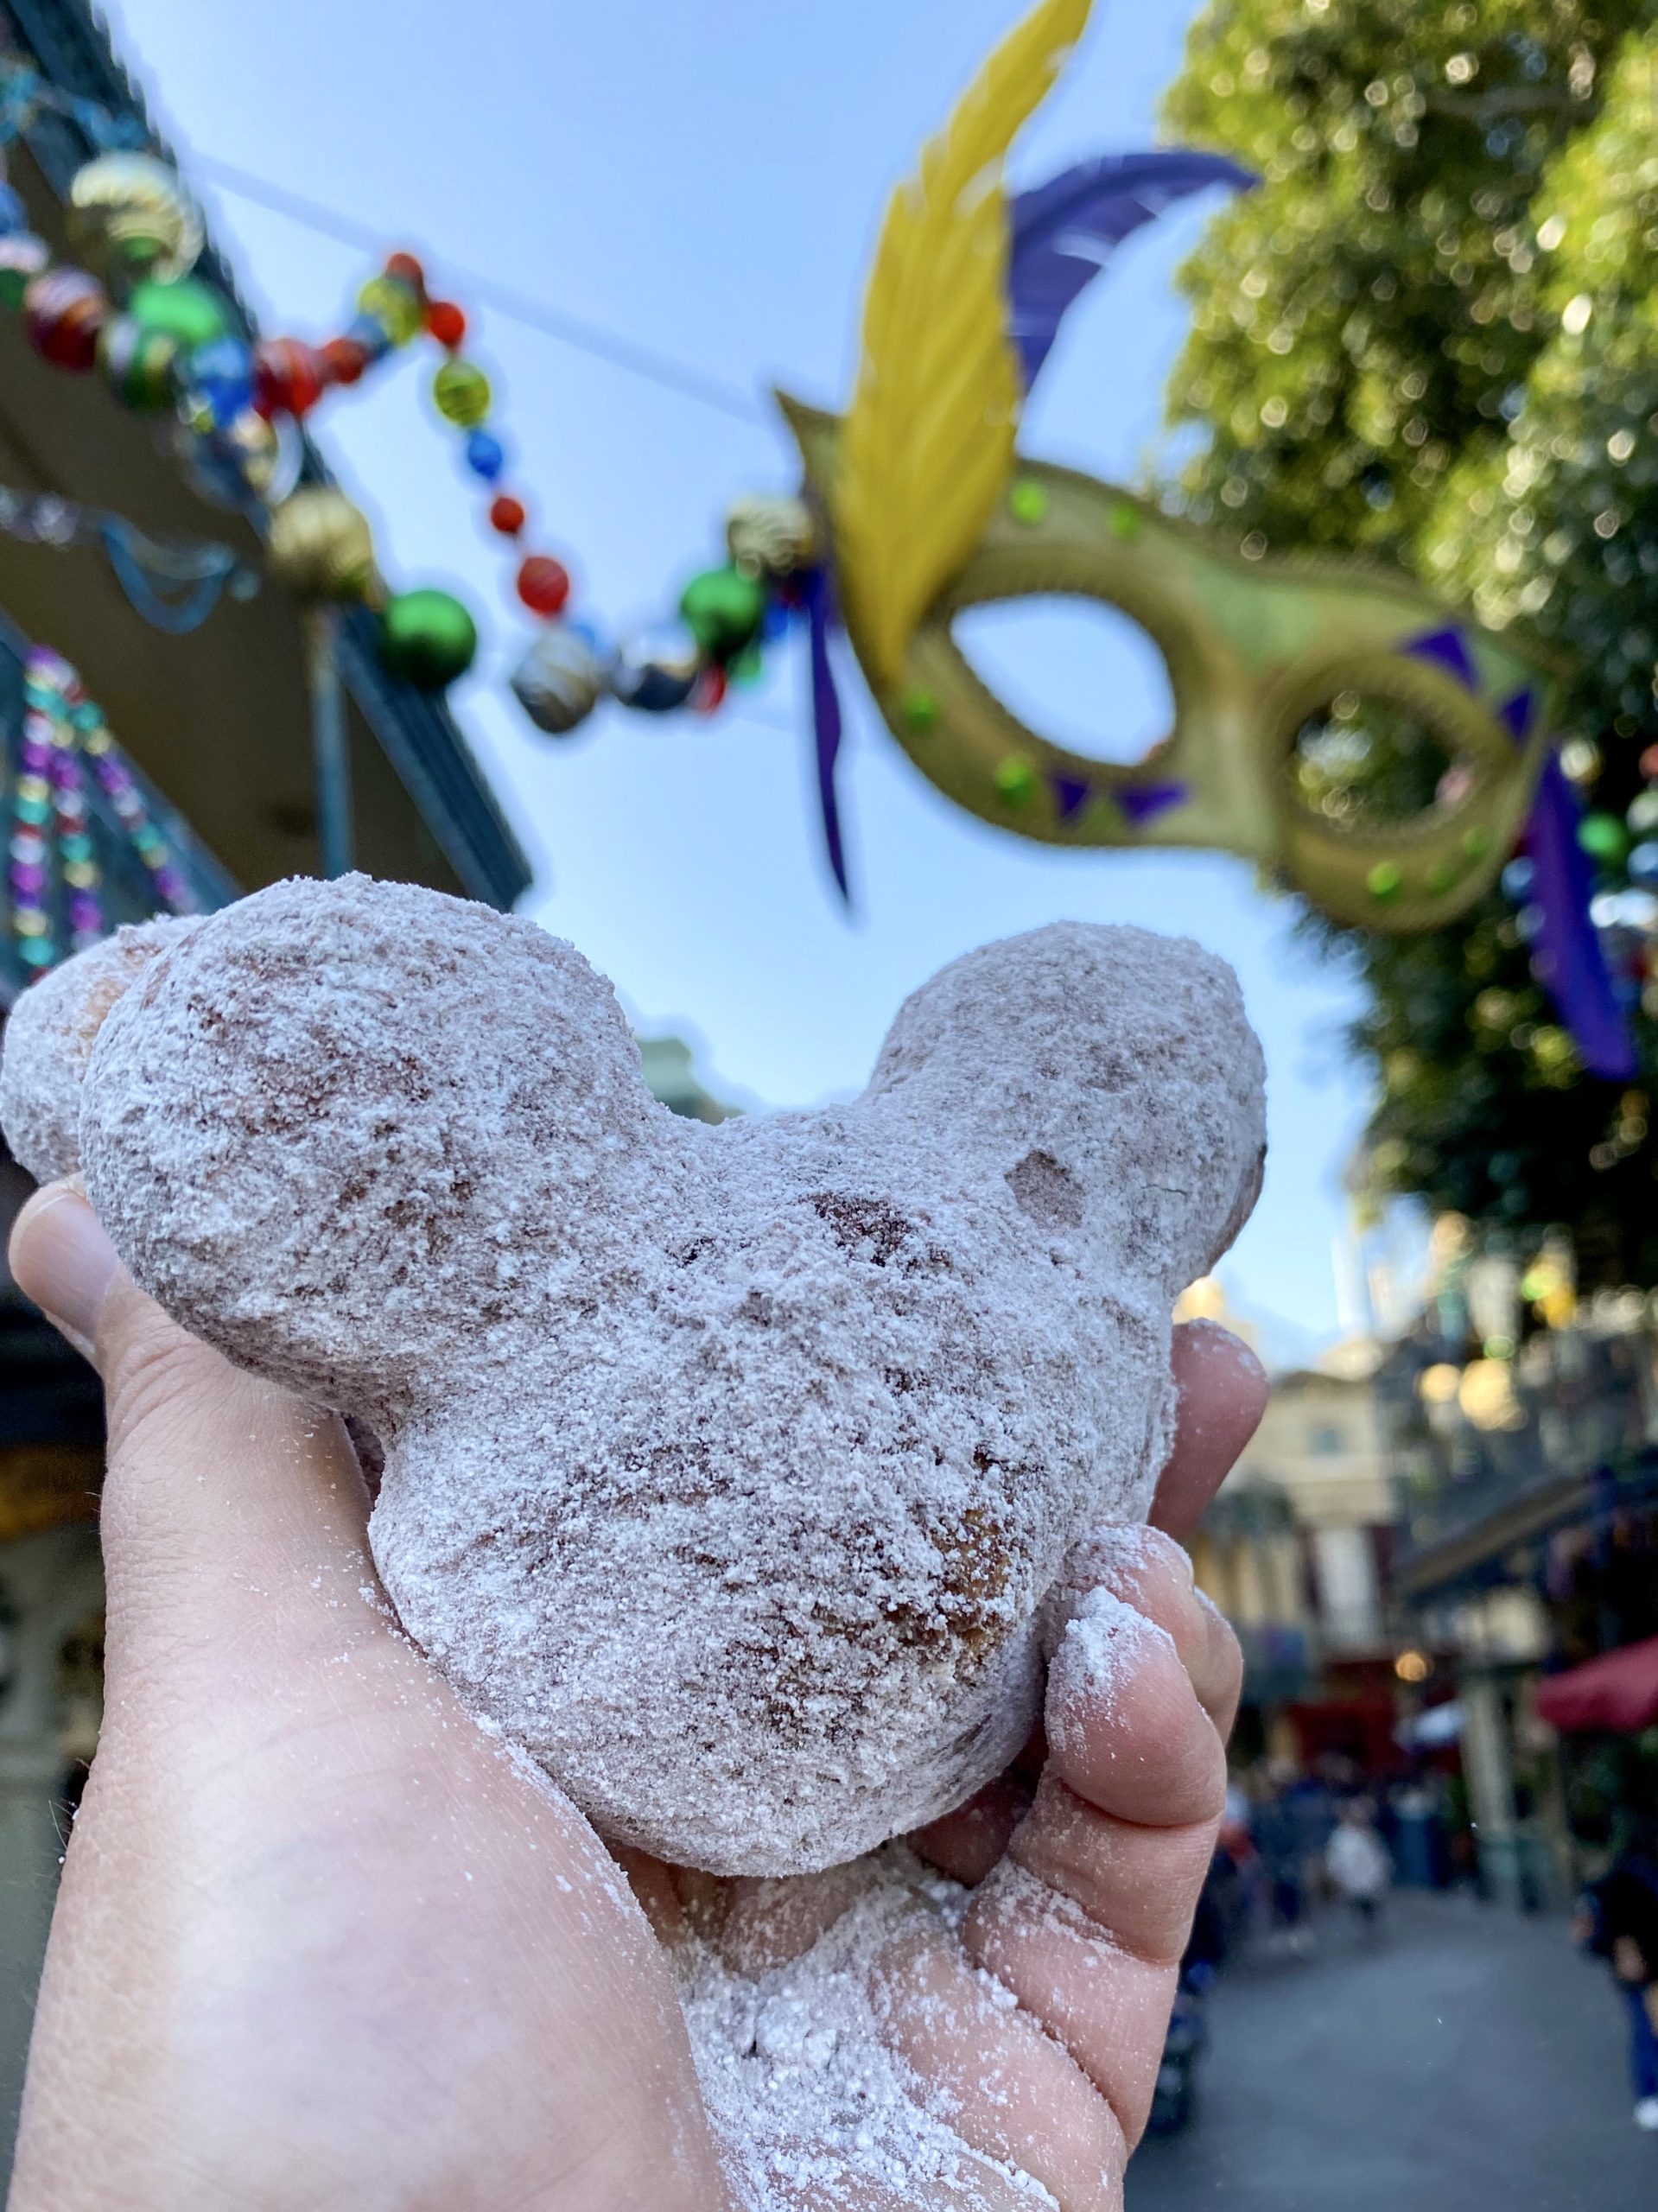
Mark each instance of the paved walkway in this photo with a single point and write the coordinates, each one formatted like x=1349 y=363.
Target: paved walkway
x=1470 y=2062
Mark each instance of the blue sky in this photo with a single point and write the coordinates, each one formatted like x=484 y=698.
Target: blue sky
x=706 y=178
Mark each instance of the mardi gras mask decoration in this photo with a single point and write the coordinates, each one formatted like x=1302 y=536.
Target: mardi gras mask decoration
x=929 y=509
x=932 y=510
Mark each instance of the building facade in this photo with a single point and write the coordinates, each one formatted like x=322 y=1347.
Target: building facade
x=214 y=724
x=1297 y=1552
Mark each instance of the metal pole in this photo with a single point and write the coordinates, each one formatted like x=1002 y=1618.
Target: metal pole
x=334 y=831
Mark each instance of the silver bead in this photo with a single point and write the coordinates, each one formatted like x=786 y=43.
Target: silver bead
x=560 y=679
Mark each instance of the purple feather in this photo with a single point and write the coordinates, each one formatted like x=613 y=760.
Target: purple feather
x=1065 y=231
x=1568 y=956
x=821 y=615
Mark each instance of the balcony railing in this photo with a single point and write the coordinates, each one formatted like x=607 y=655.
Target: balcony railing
x=1582 y=1415
x=125 y=889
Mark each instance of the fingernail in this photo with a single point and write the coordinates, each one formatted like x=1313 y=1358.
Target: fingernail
x=62 y=1260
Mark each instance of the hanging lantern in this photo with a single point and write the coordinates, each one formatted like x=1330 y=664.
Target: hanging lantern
x=129 y=217
x=427 y=638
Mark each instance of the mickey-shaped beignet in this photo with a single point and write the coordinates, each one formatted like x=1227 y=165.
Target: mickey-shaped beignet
x=727 y=1468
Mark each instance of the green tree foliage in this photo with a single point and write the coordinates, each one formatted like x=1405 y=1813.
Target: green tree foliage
x=1430 y=334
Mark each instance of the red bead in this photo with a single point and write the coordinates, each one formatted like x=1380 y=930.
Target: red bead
x=543 y=584
x=64 y=309
x=288 y=376
x=406 y=270
x=1650 y=764
x=446 y=323
x=710 y=695
x=344 y=361
x=506 y=515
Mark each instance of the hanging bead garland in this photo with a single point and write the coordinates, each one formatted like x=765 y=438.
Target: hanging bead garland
x=51 y=847
x=164 y=340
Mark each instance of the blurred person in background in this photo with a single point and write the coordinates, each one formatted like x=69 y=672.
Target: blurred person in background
x=1279 y=1830
x=1616 y=1919
x=1357 y=1861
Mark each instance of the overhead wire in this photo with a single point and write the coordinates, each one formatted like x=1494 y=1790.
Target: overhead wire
x=578 y=332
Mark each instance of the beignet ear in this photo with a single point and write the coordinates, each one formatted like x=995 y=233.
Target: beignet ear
x=1106 y=1077
x=49 y=1037
x=351 y=1132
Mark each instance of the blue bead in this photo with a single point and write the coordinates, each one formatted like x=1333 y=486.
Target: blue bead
x=222 y=372
x=1643 y=864
x=371 y=334
x=486 y=455
x=14 y=216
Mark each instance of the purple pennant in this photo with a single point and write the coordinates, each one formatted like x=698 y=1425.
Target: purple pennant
x=1066 y=229
x=1446 y=650
x=1070 y=795
x=1569 y=958
x=1143 y=803
x=821 y=615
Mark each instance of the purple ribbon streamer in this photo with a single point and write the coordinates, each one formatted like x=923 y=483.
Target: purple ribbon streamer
x=1066 y=229
x=1568 y=955
x=821 y=616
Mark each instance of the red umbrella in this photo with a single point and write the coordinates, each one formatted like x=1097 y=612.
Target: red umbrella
x=1616 y=1693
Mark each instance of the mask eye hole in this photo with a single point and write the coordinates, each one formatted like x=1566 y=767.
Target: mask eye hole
x=1362 y=759
x=1080 y=673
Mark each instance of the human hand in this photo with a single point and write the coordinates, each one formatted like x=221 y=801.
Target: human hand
x=322 y=1940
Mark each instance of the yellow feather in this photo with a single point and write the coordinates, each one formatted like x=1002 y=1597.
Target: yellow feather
x=928 y=443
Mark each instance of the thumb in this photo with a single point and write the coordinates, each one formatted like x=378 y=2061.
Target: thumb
x=226 y=1497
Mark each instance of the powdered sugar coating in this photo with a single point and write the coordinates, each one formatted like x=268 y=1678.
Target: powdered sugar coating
x=726 y=1467
x=49 y=1037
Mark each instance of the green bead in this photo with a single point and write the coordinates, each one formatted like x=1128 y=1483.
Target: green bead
x=1122 y=520
x=1016 y=780
x=1384 y=882
x=23 y=258
x=460 y=391
x=1443 y=875
x=1604 y=837
x=1027 y=502
x=427 y=638
x=748 y=667
x=724 y=609
x=1476 y=843
x=188 y=312
x=919 y=709
x=139 y=364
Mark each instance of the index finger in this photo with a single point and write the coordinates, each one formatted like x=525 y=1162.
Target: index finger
x=1221 y=1389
